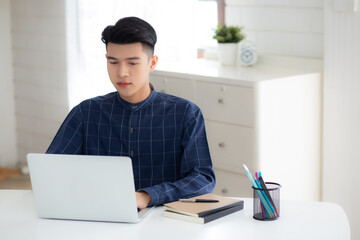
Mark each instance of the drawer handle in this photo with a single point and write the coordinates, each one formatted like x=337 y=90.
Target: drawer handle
x=224 y=191
x=165 y=80
x=221 y=100
x=222 y=144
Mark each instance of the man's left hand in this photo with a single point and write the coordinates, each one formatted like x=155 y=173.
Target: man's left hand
x=142 y=199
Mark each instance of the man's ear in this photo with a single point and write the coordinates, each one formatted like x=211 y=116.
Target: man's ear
x=153 y=62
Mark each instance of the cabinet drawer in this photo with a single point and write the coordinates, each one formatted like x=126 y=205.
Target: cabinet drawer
x=231 y=184
x=183 y=88
x=231 y=146
x=226 y=103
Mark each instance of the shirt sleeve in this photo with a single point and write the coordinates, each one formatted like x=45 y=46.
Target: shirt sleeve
x=69 y=138
x=196 y=165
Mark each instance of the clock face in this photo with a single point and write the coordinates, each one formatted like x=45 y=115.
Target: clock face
x=247 y=54
x=247 y=57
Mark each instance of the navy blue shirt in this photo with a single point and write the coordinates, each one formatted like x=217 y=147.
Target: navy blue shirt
x=163 y=135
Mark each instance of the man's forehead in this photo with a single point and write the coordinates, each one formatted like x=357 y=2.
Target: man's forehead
x=125 y=51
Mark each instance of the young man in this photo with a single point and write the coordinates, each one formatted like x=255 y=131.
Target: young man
x=162 y=134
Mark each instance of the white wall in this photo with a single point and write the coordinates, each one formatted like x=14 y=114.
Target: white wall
x=291 y=28
x=341 y=150
x=8 y=156
x=39 y=52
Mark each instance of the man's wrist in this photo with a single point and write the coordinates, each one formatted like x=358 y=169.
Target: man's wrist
x=143 y=199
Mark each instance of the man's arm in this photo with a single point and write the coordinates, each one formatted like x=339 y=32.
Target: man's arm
x=195 y=167
x=69 y=138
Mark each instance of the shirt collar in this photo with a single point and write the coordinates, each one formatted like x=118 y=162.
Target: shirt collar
x=139 y=105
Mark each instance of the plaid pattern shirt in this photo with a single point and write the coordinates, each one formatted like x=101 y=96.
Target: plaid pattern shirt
x=163 y=135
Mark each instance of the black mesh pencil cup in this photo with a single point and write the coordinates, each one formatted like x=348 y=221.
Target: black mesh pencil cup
x=267 y=202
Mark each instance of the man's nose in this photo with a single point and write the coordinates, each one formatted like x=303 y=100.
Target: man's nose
x=123 y=71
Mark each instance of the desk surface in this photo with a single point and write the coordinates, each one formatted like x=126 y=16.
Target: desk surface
x=299 y=220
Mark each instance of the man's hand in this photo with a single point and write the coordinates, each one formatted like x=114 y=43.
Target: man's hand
x=142 y=199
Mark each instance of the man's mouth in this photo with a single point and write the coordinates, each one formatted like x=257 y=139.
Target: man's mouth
x=123 y=84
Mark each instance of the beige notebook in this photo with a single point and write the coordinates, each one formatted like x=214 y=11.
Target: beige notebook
x=200 y=209
x=205 y=219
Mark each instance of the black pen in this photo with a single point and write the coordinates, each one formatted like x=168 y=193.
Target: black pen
x=198 y=200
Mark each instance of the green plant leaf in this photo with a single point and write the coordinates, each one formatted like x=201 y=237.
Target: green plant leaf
x=228 y=34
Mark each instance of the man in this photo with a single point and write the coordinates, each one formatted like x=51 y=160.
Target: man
x=162 y=134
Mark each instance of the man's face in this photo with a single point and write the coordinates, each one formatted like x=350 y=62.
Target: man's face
x=129 y=68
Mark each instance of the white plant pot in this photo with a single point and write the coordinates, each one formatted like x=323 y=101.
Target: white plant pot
x=227 y=53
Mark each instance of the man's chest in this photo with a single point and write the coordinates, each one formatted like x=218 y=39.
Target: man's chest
x=134 y=132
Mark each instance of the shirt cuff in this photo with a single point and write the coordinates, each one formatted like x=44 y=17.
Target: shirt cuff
x=155 y=196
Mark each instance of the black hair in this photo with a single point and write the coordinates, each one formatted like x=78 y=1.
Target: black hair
x=131 y=30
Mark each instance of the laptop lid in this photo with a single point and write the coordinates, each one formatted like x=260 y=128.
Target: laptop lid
x=82 y=187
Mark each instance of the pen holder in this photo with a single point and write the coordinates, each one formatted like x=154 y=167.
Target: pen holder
x=267 y=202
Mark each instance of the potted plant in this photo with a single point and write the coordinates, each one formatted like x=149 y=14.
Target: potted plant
x=228 y=38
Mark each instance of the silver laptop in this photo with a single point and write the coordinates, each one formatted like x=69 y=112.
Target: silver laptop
x=80 y=187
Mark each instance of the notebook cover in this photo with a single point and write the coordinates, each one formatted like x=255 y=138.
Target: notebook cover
x=197 y=209
x=207 y=218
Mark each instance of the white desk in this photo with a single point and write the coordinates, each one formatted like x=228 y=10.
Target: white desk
x=299 y=220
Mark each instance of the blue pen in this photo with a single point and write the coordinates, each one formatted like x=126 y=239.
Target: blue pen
x=266 y=198
x=258 y=192
x=265 y=194
x=263 y=185
x=264 y=213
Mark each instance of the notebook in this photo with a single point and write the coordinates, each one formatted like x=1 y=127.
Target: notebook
x=82 y=187
x=206 y=218
x=203 y=212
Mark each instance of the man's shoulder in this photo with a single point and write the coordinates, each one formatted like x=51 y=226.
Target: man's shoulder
x=164 y=98
x=99 y=100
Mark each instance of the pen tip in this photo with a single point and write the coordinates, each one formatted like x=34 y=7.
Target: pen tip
x=245 y=167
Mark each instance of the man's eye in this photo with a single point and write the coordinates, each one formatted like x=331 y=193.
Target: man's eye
x=133 y=63
x=113 y=62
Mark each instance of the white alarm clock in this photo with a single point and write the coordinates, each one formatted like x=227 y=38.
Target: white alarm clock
x=247 y=55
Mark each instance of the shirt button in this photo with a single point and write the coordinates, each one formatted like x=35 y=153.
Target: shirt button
x=131 y=130
x=134 y=107
x=132 y=153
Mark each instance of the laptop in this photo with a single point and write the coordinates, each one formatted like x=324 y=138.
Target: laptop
x=82 y=187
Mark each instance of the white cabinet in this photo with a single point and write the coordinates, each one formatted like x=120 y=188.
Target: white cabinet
x=180 y=87
x=231 y=145
x=225 y=103
x=265 y=117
